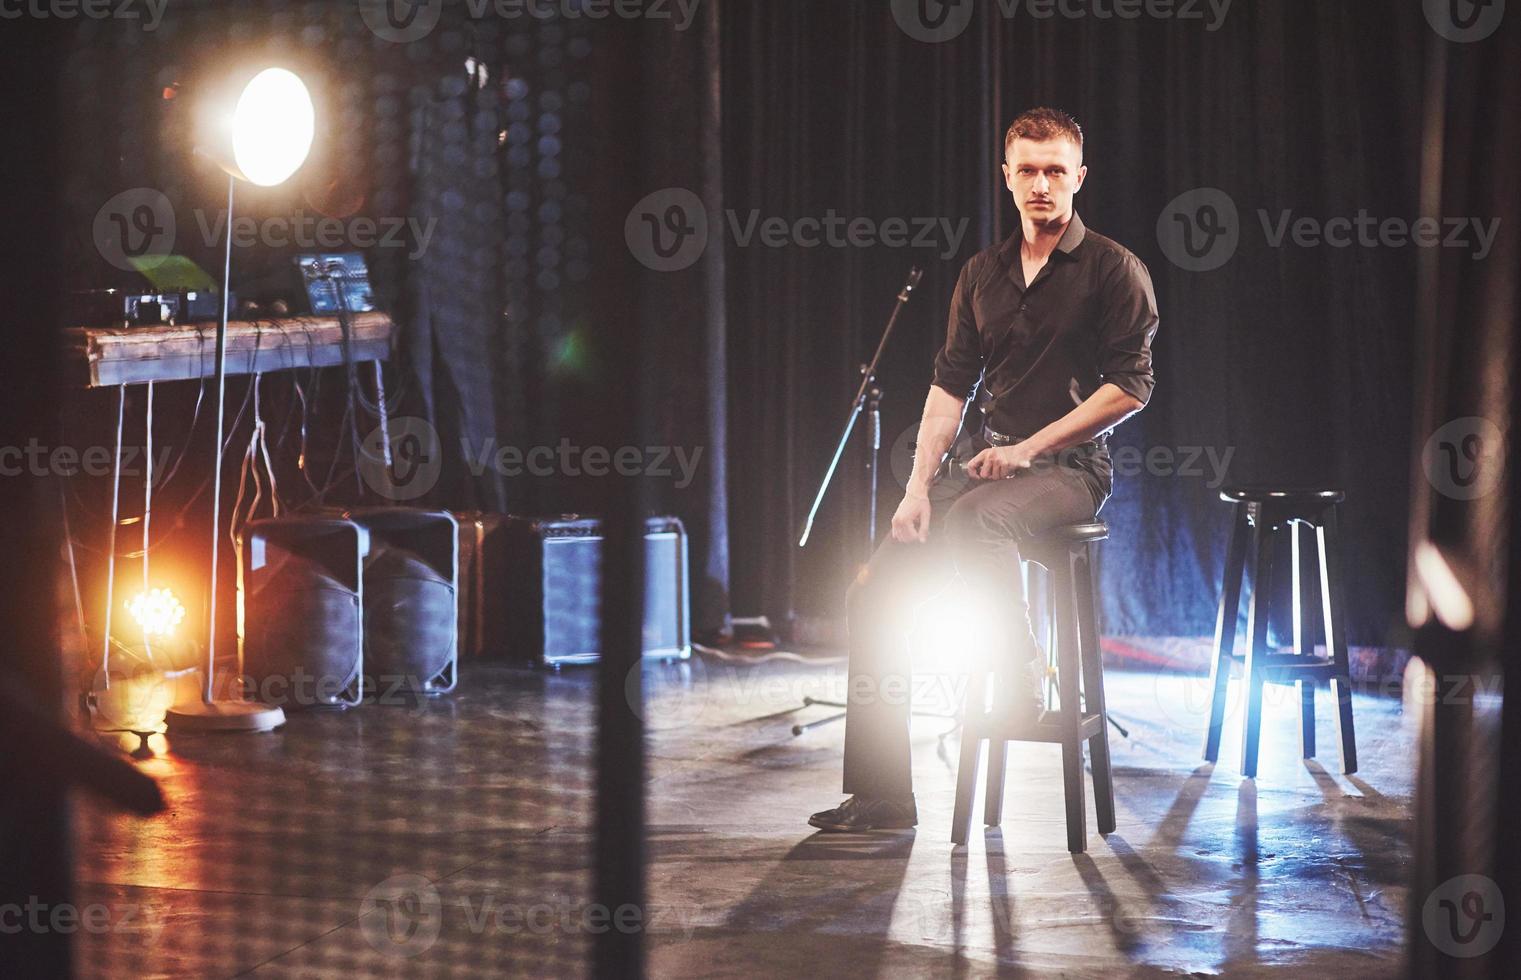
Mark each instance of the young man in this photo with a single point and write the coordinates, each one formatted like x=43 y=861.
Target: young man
x=1056 y=324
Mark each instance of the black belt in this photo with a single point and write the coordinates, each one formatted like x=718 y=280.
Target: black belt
x=995 y=438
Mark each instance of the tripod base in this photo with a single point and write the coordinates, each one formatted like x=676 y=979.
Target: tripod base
x=224 y=716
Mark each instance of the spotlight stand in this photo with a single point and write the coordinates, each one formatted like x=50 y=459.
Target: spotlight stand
x=210 y=714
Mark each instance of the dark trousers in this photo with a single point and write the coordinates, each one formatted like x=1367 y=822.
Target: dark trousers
x=972 y=546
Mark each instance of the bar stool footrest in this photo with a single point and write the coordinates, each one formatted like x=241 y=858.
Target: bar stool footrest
x=1052 y=727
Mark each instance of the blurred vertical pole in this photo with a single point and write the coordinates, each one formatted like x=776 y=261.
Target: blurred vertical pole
x=660 y=335
x=34 y=814
x=1463 y=574
x=618 y=884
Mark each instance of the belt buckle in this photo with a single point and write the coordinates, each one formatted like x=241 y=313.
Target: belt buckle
x=996 y=438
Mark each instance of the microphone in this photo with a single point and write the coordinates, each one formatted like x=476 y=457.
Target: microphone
x=914 y=275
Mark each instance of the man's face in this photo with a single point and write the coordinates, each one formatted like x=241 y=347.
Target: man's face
x=1043 y=177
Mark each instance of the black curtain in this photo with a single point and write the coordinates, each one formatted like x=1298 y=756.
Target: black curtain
x=1293 y=360
x=1464 y=588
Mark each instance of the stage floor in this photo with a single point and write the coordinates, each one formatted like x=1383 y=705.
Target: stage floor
x=452 y=837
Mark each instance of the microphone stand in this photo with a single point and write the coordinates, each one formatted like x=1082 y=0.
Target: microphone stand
x=868 y=399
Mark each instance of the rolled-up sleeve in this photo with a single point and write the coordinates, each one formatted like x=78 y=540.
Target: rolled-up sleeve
x=958 y=366
x=1129 y=322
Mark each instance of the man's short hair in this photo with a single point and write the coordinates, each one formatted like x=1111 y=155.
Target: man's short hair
x=1041 y=124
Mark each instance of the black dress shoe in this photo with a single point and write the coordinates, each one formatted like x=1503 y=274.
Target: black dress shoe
x=859 y=814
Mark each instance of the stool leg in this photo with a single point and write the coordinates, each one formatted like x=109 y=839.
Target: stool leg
x=973 y=728
x=1068 y=672
x=1225 y=631
x=992 y=806
x=1093 y=692
x=1301 y=648
x=1257 y=627
x=1306 y=718
x=1334 y=611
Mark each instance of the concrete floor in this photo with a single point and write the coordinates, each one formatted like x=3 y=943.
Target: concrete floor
x=452 y=838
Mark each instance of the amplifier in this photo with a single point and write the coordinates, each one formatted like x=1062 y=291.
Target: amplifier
x=554 y=589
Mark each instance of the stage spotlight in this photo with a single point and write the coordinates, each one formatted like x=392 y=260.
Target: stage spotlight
x=260 y=131
x=158 y=612
x=258 y=126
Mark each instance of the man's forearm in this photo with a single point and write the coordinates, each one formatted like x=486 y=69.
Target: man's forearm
x=937 y=430
x=1103 y=410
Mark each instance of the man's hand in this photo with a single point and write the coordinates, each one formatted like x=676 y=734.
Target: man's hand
x=911 y=521
x=999 y=463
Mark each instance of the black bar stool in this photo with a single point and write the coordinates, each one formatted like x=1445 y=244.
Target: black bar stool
x=1067 y=554
x=1262 y=514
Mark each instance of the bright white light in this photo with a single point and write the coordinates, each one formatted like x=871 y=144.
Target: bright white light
x=272 y=127
x=157 y=611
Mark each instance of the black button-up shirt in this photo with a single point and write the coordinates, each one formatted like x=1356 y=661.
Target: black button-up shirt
x=1042 y=349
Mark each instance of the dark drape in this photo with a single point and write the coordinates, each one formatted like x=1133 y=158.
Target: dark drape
x=1294 y=360
x=1465 y=593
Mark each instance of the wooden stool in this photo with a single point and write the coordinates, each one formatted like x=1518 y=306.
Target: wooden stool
x=1262 y=514
x=1067 y=554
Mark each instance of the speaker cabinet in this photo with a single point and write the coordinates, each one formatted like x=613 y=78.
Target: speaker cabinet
x=554 y=590
x=411 y=599
x=301 y=610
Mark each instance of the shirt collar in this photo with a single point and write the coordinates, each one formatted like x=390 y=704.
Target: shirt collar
x=1072 y=237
